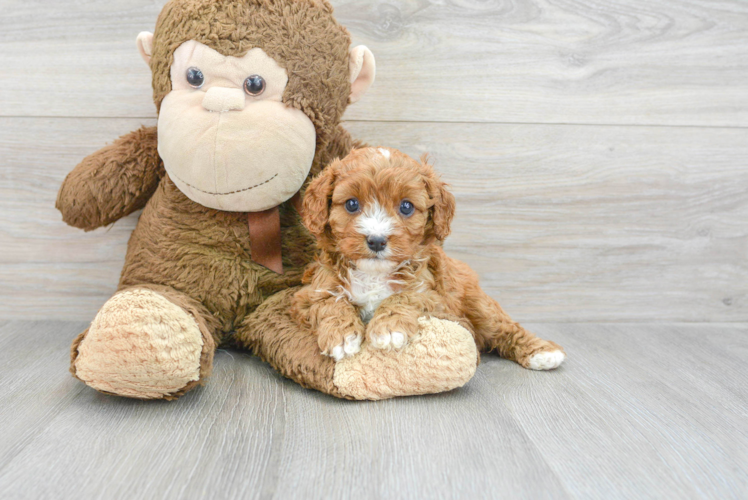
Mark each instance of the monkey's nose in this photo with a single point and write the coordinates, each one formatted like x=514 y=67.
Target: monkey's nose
x=376 y=243
x=221 y=99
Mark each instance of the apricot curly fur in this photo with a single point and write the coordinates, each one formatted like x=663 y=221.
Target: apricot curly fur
x=425 y=281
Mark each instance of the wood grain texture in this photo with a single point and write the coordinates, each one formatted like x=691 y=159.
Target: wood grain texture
x=638 y=411
x=563 y=223
x=36 y=386
x=528 y=61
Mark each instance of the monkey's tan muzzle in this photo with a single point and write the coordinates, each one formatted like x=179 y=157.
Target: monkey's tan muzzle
x=222 y=99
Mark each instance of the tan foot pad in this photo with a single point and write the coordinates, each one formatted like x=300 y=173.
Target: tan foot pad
x=443 y=357
x=140 y=345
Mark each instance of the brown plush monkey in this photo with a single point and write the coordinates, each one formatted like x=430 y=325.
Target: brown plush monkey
x=250 y=95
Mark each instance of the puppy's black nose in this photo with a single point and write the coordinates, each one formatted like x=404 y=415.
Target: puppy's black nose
x=376 y=243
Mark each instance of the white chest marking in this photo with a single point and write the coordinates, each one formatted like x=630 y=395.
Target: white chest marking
x=370 y=284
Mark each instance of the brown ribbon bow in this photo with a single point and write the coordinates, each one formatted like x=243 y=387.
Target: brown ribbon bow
x=265 y=236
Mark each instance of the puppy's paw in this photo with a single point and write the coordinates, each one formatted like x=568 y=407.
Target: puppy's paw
x=339 y=347
x=383 y=340
x=352 y=344
x=546 y=360
x=398 y=339
x=382 y=336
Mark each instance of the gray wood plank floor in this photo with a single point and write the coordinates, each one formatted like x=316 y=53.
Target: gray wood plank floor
x=639 y=411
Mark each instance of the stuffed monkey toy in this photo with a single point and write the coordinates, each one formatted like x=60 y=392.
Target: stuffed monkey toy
x=250 y=95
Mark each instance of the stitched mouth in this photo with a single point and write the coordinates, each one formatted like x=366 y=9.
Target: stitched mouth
x=228 y=193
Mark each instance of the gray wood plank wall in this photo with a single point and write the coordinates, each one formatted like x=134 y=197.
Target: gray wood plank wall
x=598 y=149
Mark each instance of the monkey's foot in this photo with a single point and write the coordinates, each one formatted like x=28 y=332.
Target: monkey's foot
x=142 y=345
x=443 y=356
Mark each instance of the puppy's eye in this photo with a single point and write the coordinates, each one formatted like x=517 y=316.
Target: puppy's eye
x=352 y=206
x=195 y=78
x=407 y=208
x=254 y=85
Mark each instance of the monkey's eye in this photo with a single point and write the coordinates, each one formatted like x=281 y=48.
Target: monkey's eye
x=254 y=85
x=406 y=208
x=195 y=78
x=352 y=206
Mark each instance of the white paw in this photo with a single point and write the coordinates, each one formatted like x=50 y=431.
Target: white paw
x=338 y=352
x=352 y=344
x=382 y=341
x=398 y=339
x=350 y=347
x=386 y=340
x=547 y=360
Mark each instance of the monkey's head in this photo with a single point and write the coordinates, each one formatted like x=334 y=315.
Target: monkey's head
x=249 y=92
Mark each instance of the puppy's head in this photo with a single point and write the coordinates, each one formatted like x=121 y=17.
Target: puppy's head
x=378 y=203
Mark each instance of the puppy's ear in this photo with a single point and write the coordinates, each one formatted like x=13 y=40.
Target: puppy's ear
x=316 y=210
x=443 y=210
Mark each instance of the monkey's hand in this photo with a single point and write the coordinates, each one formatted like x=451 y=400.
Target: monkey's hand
x=113 y=182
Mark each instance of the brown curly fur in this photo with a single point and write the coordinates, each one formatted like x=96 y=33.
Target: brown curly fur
x=203 y=255
x=425 y=281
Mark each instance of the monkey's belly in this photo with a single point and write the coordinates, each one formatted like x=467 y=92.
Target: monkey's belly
x=205 y=254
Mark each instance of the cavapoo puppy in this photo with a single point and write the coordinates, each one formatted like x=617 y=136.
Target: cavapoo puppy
x=380 y=218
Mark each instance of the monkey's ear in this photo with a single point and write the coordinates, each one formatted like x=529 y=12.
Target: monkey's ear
x=363 y=70
x=145 y=46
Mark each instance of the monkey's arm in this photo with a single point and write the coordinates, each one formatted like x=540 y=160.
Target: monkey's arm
x=113 y=182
